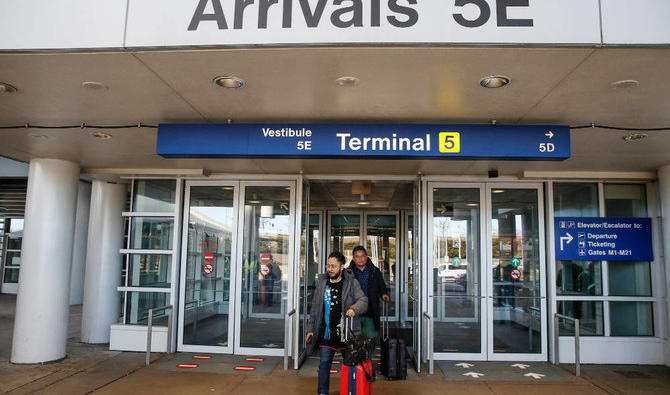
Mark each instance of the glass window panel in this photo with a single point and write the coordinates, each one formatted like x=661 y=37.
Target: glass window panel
x=15 y=234
x=589 y=314
x=13 y=258
x=266 y=245
x=150 y=271
x=381 y=242
x=154 y=196
x=139 y=303
x=576 y=199
x=579 y=278
x=631 y=319
x=345 y=234
x=625 y=200
x=211 y=226
x=151 y=233
x=516 y=242
x=456 y=270
x=629 y=278
x=11 y=275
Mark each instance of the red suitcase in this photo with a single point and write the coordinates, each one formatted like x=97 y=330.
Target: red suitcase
x=353 y=380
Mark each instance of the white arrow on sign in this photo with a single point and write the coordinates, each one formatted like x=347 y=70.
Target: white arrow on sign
x=549 y=134
x=520 y=366
x=567 y=238
x=474 y=375
x=465 y=365
x=536 y=376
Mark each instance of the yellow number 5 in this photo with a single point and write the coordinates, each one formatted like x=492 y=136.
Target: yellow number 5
x=450 y=142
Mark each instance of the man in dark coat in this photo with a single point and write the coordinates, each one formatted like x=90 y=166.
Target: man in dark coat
x=372 y=283
x=337 y=294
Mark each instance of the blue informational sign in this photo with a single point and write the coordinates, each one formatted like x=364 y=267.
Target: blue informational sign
x=603 y=239
x=365 y=141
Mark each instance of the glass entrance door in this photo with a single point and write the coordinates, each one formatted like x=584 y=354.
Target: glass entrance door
x=207 y=308
x=457 y=303
x=378 y=232
x=516 y=273
x=486 y=251
x=235 y=273
x=267 y=226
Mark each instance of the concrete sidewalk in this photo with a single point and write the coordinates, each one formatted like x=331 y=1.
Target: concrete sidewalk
x=597 y=379
x=86 y=368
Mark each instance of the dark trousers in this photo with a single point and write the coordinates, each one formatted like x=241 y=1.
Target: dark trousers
x=326 y=361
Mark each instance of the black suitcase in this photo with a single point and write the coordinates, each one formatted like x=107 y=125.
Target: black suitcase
x=393 y=354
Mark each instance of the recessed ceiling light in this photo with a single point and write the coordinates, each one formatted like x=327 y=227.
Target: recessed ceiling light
x=498 y=191
x=94 y=86
x=39 y=136
x=625 y=84
x=473 y=205
x=347 y=81
x=635 y=137
x=6 y=88
x=495 y=81
x=363 y=203
x=254 y=202
x=227 y=188
x=101 y=135
x=229 y=82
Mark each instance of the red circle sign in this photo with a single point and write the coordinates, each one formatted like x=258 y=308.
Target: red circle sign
x=265 y=258
x=516 y=274
x=207 y=268
x=209 y=257
x=265 y=270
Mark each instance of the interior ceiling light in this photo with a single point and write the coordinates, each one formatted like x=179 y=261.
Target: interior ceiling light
x=498 y=191
x=94 y=86
x=255 y=202
x=101 y=135
x=229 y=82
x=635 y=137
x=347 y=81
x=495 y=81
x=6 y=88
x=363 y=203
x=625 y=84
x=473 y=204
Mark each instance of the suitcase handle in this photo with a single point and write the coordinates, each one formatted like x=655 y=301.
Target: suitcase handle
x=348 y=328
x=385 y=324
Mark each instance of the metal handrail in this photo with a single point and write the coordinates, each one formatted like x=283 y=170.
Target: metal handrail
x=429 y=342
x=287 y=320
x=556 y=341
x=150 y=319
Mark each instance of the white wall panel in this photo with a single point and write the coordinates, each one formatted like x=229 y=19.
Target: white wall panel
x=62 y=24
x=636 y=22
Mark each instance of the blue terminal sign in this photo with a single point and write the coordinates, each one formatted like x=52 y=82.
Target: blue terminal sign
x=606 y=239
x=364 y=141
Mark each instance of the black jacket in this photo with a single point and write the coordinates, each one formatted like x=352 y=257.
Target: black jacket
x=376 y=288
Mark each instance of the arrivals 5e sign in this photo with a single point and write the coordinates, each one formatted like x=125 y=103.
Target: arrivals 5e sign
x=603 y=239
x=249 y=22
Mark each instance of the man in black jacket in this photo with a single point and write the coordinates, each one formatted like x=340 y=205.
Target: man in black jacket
x=372 y=283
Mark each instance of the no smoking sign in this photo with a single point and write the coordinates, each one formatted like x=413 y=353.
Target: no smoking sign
x=208 y=268
x=516 y=274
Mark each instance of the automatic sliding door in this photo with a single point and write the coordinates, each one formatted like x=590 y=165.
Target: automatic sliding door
x=517 y=273
x=206 y=305
x=457 y=302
